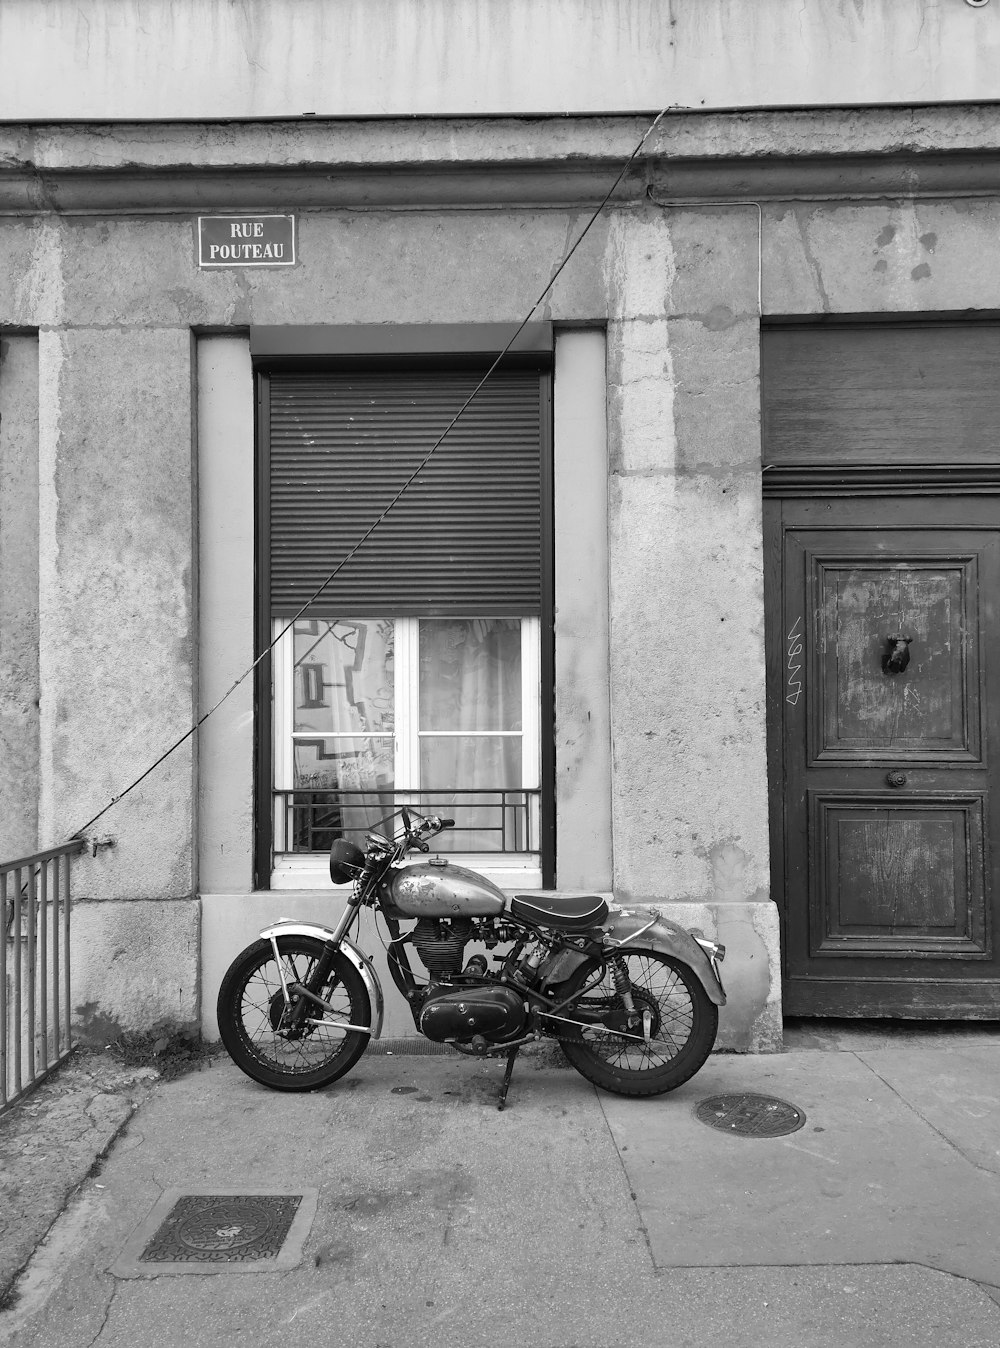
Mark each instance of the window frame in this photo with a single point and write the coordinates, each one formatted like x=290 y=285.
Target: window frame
x=524 y=867
x=397 y=348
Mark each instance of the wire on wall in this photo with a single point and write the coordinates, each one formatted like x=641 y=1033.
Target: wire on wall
x=406 y=485
x=688 y=201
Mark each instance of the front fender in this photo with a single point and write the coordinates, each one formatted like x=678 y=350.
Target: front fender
x=358 y=958
x=646 y=927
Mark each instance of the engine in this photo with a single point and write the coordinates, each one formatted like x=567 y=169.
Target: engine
x=440 y=944
x=475 y=1008
x=490 y=1011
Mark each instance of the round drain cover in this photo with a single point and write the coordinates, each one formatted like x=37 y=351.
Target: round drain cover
x=751 y=1115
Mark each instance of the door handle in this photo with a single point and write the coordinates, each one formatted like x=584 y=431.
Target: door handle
x=897 y=656
x=896 y=778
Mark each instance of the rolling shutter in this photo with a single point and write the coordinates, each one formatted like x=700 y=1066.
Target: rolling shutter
x=465 y=538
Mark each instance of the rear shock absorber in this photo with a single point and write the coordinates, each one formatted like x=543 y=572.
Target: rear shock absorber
x=623 y=985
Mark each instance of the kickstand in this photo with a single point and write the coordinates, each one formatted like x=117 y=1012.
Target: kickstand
x=506 y=1077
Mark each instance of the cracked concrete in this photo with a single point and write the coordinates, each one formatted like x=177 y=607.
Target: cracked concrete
x=51 y=1141
x=574 y=1219
x=107 y=1312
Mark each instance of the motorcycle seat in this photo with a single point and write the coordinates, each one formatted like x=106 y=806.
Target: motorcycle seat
x=551 y=908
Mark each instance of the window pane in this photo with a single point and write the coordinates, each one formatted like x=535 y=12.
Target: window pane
x=461 y=762
x=462 y=776
x=470 y=674
x=343 y=788
x=358 y=763
x=343 y=676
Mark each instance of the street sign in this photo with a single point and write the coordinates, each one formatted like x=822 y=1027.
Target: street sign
x=246 y=241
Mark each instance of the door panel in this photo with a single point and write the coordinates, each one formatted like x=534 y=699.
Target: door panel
x=932 y=708
x=897 y=880
x=886 y=794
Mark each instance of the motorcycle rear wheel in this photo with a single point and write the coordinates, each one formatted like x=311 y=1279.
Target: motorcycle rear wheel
x=250 y=1007
x=683 y=1029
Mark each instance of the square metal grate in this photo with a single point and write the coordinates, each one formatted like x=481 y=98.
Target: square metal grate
x=223 y=1228
x=218 y=1231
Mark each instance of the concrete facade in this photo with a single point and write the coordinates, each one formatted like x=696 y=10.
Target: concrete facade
x=127 y=468
x=19 y=691
x=377 y=58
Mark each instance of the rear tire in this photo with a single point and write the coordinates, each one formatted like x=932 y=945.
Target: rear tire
x=250 y=1007
x=684 y=1026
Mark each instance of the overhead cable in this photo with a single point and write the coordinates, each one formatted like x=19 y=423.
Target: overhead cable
x=375 y=524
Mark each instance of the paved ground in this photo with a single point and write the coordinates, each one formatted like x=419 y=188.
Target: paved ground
x=51 y=1140
x=572 y=1220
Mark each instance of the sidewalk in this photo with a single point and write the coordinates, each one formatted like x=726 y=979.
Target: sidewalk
x=573 y=1220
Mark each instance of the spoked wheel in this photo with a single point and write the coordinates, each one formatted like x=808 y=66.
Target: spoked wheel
x=279 y=1049
x=671 y=1034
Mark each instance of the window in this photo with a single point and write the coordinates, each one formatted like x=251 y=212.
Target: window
x=440 y=714
x=415 y=677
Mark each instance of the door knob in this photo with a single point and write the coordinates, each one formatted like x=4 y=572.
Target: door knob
x=896 y=778
x=897 y=655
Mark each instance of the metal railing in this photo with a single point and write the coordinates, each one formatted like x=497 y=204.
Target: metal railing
x=35 y=1033
x=500 y=820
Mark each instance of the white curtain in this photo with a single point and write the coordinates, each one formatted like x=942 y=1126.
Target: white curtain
x=470 y=686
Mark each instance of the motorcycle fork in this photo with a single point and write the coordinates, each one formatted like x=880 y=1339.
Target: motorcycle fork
x=308 y=992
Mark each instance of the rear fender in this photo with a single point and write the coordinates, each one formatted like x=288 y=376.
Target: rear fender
x=646 y=929
x=357 y=957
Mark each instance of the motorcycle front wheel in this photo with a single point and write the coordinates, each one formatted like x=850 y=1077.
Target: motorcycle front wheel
x=252 y=1016
x=682 y=1025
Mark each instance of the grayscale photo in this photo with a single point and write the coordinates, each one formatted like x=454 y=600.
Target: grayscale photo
x=500 y=673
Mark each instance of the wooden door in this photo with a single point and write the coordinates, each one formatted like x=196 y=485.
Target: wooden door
x=884 y=793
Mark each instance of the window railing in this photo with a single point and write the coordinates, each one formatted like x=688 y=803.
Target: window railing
x=35 y=1034
x=492 y=821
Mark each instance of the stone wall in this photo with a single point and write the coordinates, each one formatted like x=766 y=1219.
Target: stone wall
x=19 y=691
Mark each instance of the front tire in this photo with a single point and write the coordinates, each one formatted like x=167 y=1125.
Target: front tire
x=251 y=1005
x=684 y=1022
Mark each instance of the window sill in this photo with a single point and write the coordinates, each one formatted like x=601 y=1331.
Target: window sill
x=510 y=871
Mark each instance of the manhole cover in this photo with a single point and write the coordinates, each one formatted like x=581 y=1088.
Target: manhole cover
x=199 y=1231
x=219 y=1228
x=751 y=1115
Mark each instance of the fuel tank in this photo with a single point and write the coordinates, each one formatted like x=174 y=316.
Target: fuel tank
x=441 y=889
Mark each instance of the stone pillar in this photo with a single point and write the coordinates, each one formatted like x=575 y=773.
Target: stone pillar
x=18 y=595
x=116 y=661
x=583 y=732
x=225 y=613
x=687 y=613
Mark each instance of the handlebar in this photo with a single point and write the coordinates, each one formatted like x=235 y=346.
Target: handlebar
x=432 y=824
x=417 y=827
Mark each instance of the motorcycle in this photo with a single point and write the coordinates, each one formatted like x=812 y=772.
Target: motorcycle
x=631 y=998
